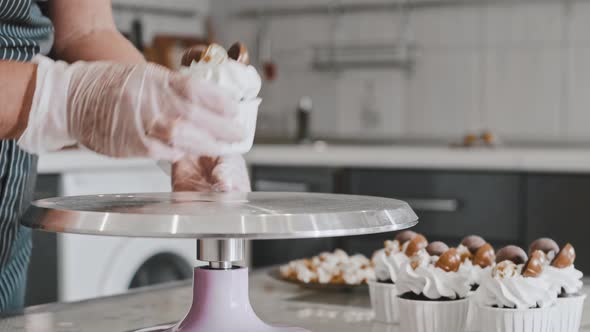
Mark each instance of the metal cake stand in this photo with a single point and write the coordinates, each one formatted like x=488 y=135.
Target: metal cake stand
x=220 y=223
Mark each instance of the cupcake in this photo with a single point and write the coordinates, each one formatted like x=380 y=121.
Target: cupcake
x=387 y=263
x=478 y=258
x=433 y=293
x=514 y=297
x=564 y=280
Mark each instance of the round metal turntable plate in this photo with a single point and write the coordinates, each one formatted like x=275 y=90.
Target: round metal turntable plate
x=258 y=215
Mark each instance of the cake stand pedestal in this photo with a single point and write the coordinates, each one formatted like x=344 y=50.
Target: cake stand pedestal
x=221 y=223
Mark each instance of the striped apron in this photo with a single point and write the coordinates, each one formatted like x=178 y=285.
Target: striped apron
x=24 y=32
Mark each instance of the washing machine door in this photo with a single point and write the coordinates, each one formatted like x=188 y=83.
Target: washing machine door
x=145 y=262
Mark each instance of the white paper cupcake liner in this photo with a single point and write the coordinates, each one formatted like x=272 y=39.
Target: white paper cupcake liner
x=433 y=316
x=516 y=320
x=472 y=323
x=384 y=302
x=568 y=315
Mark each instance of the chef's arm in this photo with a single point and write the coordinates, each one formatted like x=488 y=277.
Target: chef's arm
x=17 y=85
x=85 y=30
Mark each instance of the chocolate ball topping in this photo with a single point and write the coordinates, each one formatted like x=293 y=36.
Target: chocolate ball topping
x=436 y=248
x=416 y=244
x=404 y=236
x=545 y=244
x=511 y=253
x=473 y=242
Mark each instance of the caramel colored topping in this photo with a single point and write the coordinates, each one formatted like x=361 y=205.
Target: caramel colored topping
x=465 y=254
x=511 y=253
x=338 y=279
x=449 y=261
x=473 y=242
x=534 y=266
x=416 y=244
x=485 y=256
x=565 y=257
x=544 y=244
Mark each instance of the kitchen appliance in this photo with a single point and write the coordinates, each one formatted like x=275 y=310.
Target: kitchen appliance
x=72 y=267
x=221 y=222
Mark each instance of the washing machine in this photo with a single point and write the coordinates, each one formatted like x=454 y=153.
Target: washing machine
x=91 y=267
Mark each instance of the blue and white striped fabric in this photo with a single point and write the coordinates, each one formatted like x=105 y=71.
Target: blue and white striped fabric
x=23 y=31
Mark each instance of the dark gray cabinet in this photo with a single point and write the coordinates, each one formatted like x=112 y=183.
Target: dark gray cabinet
x=503 y=207
x=450 y=204
x=292 y=179
x=557 y=206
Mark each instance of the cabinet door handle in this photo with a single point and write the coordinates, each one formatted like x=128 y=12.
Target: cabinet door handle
x=433 y=204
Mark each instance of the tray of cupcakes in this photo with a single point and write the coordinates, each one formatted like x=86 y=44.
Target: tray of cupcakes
x=427 y=287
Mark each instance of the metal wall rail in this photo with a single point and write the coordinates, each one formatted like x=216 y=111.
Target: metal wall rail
x=355 y=8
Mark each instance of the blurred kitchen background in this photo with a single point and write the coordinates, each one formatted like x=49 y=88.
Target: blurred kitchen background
x=474 y=111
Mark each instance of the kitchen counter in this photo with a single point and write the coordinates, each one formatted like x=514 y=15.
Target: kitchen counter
x=274 y=302
x=526 y=159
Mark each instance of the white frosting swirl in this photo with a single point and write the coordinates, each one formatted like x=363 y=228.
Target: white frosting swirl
x=387 y=267
x=474 y=272
x=567 y=279
x=240 y=81
x=432 y=282
x=514 y=291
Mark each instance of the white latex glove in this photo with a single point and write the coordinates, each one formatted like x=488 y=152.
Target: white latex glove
x=222 y=171
x=211 y=174
x=123 y=110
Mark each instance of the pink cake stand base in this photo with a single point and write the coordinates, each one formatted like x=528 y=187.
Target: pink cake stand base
x=221 y=304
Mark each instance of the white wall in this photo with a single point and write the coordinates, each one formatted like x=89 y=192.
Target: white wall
x=520 y=69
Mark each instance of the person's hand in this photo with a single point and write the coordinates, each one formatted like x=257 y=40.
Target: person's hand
x=128 y=111
x=211 y=174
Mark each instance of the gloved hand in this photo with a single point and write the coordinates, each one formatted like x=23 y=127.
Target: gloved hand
x=211 y=174
x=222 y=171
x=123 y=110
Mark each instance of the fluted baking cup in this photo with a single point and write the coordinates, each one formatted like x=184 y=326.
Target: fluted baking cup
x=246 y=118
x=472 y=323
x=517 y=320
x=433 y=316
x=384 y=302
x=568 y=313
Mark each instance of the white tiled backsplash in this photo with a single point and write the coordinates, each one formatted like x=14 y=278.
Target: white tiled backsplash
x=521 y=70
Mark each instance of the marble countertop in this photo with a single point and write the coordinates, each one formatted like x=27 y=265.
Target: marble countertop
x=273 y=301
x=528 y=159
